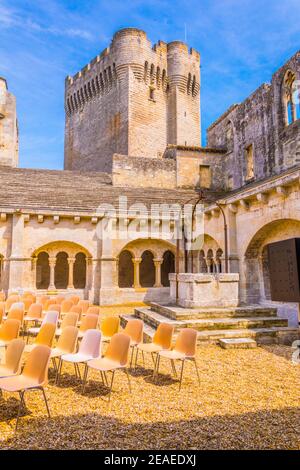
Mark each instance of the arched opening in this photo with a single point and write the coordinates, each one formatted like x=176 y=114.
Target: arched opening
x=125 y=272
x=79 y=271
x=61 y=272
x=210 y=262
x=167 y=267
x=202 y=262
x=42 y=271
x=147 y=270
x=219 y=255
x=291 y=98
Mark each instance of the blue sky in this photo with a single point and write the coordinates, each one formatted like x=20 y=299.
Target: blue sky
x=242 y=42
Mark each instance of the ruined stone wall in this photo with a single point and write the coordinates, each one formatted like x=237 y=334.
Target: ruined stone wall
x=258 y=121
x=9 y=152
x=133 y=99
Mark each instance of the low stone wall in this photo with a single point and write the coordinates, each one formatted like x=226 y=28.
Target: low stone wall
x=205 y=290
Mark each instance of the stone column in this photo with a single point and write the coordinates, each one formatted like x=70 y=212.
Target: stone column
x=33 y=270
x=136 y=272
x=52 y=263
x=157 y=264
x=71 y=262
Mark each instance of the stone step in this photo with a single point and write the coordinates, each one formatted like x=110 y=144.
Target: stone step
x=283 y=335
x=179 y=313
x=238 y=343
x=154 y=319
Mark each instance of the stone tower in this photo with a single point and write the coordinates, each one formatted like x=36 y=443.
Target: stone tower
x=9 y=154
x=132 y=99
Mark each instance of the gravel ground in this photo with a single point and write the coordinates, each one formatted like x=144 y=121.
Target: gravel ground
x=248 y=399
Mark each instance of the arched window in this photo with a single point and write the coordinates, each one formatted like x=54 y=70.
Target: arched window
x=210 y=262
x=202 y=262
x=42 y=271
x=167 y=267
x=147 y=270
x=79 y=271
x=125 y=277
x=291 y=98
x=61 y=272
x=219 y=255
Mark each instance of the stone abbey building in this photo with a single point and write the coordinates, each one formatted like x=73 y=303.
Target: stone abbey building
x=133 y=130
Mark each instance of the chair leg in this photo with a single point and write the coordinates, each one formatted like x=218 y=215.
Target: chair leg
x=59 y=370
x=105 y=377
x=20 y=408
x=85 y=375
x=136 y=356
x=131 y=357
x=181 y=375
x=128 y=378
x=197 y=370
x=46 y=402
x=156 y=366
x=173 y=367
x=143 y=356
x=111 y=386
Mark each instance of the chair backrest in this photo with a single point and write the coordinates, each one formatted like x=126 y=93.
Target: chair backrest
x=134 y=329
x=49 y=302
x=67 y=340
x=59 y=299
x=14 y=297
x=2 y=297
x=84 y=304
x=28 y=295
x=27 y=302
x=46 y=334
x=110 y=326
x=163 y=335
x=17 y=306
x=35 y=310
x=10 y=301
x=10 y=329
x=90 y=344
x=2 y=310
x=118 y=348
x=66 y=306
x=54 y=308
x=16 y=314
x=76 y=309
x=186 y=342
x=74 y=298
x=43 y=299
x=13 y=355
x=37 y=364
x=89 y=322
x=51 y=317
x=93 y=310
x=70 y=319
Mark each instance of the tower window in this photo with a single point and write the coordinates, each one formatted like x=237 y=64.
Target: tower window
x=151 y=94
x=249 y=162
x=291 y=98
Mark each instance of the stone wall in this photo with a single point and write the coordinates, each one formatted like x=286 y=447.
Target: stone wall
x=9 y=152
x=259 y=121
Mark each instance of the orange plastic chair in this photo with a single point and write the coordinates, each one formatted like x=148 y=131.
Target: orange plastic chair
x=9 y=330
x=54 y=308
x=109 y=327
x=34 y=312
x=162 y=339
x=66 y=306
x=84 y=304
x=76 y=309
x=70 y=319
x=66 y=345
x=93 y=310
x=134 y=329
x=42 y=299
x=116 y=357
x=59 y=299
x=16 y=314
x=13 y=356
x=44 y=337
x=184 y=349
x=2 y=311
x=12 y=299
x=89 y=322
x=74 y=298
x=2 y=297
x=27 y=302
x=33 y=377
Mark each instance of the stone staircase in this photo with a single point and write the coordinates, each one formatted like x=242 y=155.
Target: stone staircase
x=258 y=323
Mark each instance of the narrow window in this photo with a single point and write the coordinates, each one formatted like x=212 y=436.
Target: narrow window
x=249 y=163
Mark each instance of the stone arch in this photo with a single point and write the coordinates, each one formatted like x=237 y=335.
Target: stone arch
x=290 y=103
x=42 y=270
x=255 y=270
x=125 y=269
x=167 y=267
x=79 y=271
x=147 y=269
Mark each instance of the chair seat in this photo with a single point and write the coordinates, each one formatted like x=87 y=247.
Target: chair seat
x=31 y=318
x=76 y=357
x=3 y=343
x=58 y=332
x=16 y=383
x=150 y=347
x=56 y=352
x=5 y=372
x=104 y=364
x=172 y=354
x=34 y=330
x=29 y=347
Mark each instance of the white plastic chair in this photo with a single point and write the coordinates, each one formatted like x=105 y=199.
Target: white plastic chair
x=90 y=348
